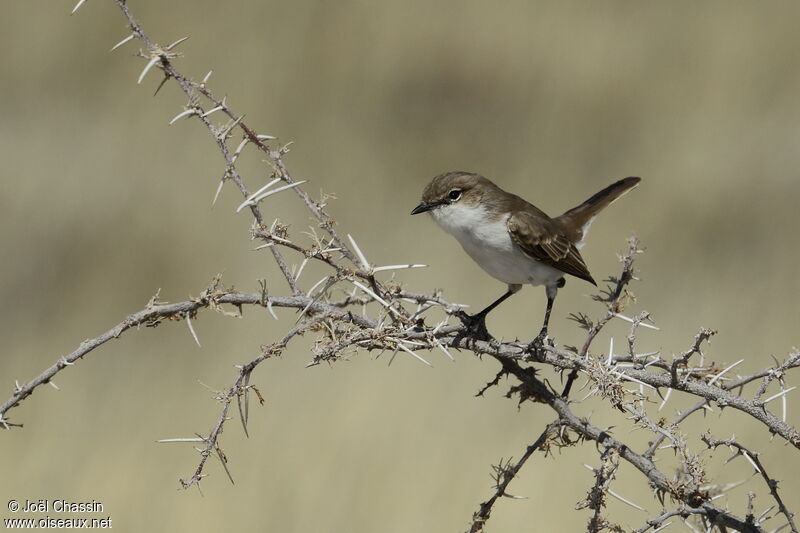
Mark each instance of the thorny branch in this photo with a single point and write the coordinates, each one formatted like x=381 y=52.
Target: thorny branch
x=504 y=474
x=371 y=314
x=596 y=498
x=752 y=458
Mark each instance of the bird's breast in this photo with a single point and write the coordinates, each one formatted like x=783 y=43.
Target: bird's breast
x=486 y=240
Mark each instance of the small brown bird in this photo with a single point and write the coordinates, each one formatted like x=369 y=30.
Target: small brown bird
x=512 y=240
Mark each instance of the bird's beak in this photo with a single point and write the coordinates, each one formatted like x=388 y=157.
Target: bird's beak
x=423 y=206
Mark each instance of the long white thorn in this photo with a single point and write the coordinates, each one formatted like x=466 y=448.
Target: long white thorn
x=276 y=191
x=664 y=401
x=123 y=41
x=188 y=439
x=623 y=500
x=656 y=359
x=190 y=111
x=77 y=6
x=239 y=149
x=300 y=270
x=153 y=61
x=590 y=393
x=254 y=199
x=629 y=378
x=764 y=513
x=364 y=262
x=271 y=310
x=750 y=460
x=730 y=486
x=191 y=329
x=445 y=350
x=279 y=239
x=421 y=309
x=176 y=43
x=783 y=403
x=715 y=378
x=778 y=395
x=224 y=134
x=397 y=267
x=317 y=284
x=212 y=110
x=406 y=341
x=376 y=297
x=219 y=190
x=331 y=283
x=610 y=352
x=643 y=324
x=259 y=191
x=412 y=352
x=439 y=326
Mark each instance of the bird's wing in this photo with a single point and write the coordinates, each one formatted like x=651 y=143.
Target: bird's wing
x=544 y=240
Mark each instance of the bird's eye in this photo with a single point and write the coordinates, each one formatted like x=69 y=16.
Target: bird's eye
x=454 y=195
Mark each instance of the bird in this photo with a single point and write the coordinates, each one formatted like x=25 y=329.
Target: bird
x=511 y=239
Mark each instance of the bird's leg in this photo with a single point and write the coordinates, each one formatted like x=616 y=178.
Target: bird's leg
x=476 y=324
x=550 y=299
x=538 y=343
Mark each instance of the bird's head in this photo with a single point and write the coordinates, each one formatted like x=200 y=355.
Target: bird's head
x=450 y=190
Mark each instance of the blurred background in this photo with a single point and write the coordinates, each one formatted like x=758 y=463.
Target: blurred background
x=103 y=203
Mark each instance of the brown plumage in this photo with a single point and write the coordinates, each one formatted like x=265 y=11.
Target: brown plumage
x=511 y=239
x=546 y=239
x=553 y=240
x=549 y=240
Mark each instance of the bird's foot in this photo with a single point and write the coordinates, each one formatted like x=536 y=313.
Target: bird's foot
x=474 y=326
x=537 y=346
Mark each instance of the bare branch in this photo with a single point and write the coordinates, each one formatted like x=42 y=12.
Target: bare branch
x=504 y=477
x=752 y=457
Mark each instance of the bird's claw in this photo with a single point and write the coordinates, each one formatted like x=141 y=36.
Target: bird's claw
x=537 y=346
x=474 y=325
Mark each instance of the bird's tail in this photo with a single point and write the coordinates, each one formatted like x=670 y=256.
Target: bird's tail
x=578 y=219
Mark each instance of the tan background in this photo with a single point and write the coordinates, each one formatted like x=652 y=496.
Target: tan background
x=102 y=203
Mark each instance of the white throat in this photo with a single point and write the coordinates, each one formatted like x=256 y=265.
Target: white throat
x=460 y=220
